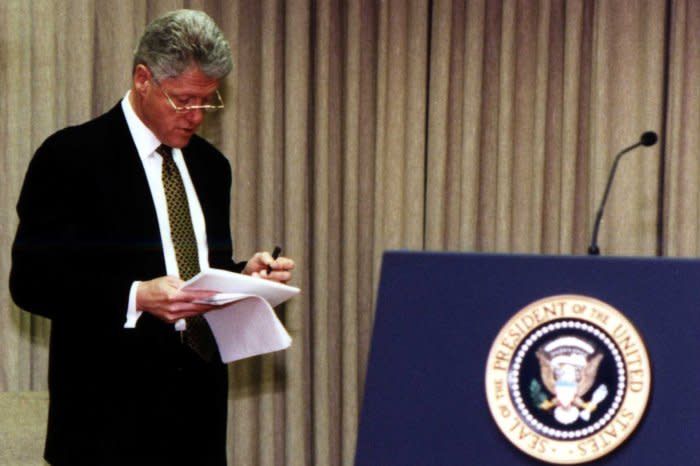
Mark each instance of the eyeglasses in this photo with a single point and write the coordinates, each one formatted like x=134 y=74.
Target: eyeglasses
x=209 y=107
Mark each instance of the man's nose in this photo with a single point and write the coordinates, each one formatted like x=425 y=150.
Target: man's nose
x=195 y=116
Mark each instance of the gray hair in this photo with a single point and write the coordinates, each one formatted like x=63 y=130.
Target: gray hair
x=177 y=40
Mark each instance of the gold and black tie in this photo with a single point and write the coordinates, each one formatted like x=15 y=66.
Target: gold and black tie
x=198 y=335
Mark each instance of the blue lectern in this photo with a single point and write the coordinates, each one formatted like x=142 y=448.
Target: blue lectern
x=438 y=315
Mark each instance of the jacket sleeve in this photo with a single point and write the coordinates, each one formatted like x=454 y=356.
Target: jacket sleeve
x=57 y=272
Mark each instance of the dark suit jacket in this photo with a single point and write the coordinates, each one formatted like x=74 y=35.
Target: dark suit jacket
x=87 y=230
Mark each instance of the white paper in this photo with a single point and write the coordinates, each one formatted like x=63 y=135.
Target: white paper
x=246 y=325
x=224 y=281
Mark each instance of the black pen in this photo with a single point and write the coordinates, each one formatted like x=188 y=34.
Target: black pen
x=275 y=254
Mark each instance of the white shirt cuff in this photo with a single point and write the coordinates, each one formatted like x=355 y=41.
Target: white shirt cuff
x=132 y=314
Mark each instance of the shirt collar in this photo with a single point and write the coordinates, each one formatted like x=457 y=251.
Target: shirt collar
x=146 y=142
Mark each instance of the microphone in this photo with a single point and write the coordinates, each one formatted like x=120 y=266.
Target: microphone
x=648 y=138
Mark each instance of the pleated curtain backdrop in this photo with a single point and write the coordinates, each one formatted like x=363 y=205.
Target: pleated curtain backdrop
x=358 y=126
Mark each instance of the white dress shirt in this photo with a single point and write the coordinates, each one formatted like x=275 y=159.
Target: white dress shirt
x=146 y=144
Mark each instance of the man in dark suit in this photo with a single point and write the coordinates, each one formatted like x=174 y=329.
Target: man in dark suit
x=96 y=251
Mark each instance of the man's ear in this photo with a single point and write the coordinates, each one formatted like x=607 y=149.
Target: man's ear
x=142 y=79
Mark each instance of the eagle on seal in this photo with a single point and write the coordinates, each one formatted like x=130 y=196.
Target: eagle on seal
x=568 y=366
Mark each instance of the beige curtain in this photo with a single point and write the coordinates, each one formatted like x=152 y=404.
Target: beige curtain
x=358 y=126
x=682 y=118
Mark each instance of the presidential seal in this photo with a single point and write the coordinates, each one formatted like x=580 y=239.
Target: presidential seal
x=568 y=379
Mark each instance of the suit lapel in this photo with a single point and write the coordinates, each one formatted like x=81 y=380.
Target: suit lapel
x=132 y=209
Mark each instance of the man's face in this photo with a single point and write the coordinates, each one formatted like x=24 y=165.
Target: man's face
x=192 y=87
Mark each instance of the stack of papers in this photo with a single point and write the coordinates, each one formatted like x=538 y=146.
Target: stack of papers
x=245 y=325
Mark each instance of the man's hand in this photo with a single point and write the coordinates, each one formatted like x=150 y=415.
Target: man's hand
x=163 y=298
x=281 y=268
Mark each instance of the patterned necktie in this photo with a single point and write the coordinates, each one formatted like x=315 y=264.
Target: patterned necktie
x=198 y=335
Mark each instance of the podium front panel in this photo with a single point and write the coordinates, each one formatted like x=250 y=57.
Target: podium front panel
x=437 y=317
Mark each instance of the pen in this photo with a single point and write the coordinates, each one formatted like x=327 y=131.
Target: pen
x=275 y=254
